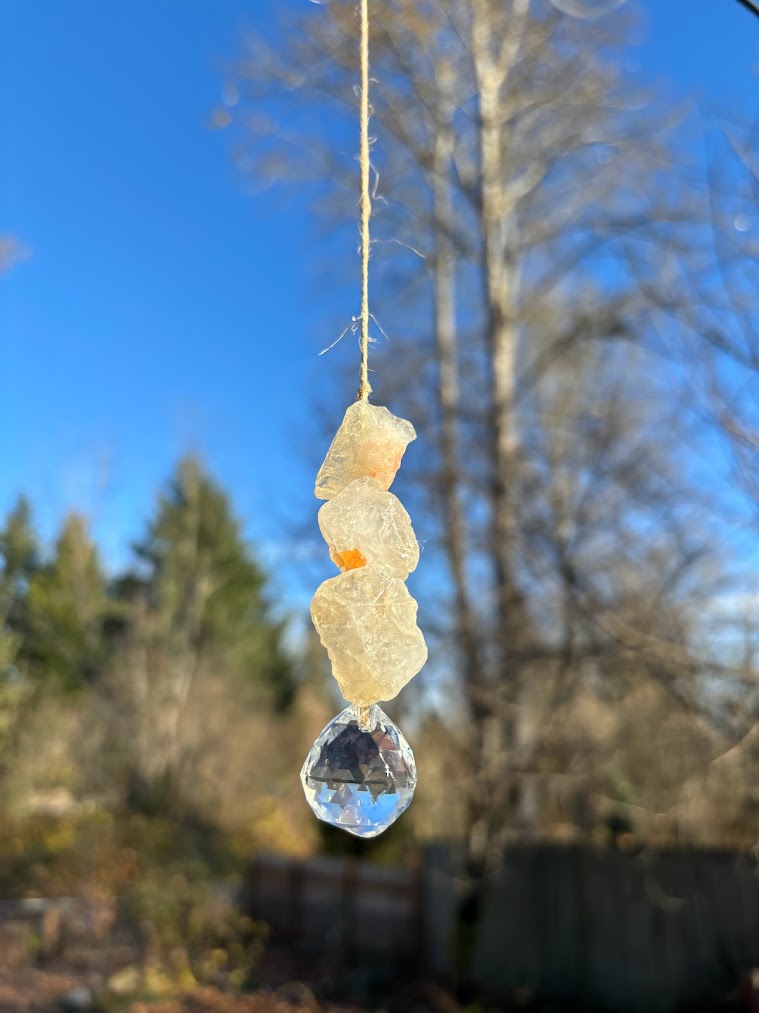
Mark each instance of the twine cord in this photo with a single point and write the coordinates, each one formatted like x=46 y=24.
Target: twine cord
x=365 y=389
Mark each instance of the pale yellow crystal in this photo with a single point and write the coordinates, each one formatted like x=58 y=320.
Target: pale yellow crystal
x=364 y=525
x=370 y=442
x=367 y=621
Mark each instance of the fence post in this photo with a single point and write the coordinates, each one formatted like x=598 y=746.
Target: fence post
x=349 y=880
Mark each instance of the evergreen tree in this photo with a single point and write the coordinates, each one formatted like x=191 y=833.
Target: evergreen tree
x=20 y=559
x=18 y=546
x=66 y=605
x=205 y=589
x=198 y=618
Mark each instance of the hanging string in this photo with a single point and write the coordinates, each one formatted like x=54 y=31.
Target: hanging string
x=365 y=389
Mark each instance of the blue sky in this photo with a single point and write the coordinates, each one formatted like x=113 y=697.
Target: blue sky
x=164 y=308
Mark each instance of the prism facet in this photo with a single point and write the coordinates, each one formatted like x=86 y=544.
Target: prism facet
x=360 y=773
x=369 y=443
x=364 y=525
x=367 y=621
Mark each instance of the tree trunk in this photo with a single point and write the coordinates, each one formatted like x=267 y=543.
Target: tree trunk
x=466 y=626
x=500 y=275
x=501 y=720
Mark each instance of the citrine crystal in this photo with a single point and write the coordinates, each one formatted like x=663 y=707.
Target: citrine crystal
x=360 y=773
x=369 y=443
x=364 y=525
x=367 y=621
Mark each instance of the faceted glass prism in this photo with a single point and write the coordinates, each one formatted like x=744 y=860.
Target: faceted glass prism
x=360 y=774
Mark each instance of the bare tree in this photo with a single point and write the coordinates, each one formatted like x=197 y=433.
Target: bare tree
x=719 y=326
x=534 y=181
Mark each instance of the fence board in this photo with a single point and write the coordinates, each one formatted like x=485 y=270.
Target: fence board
x=354 y=909
x=645 y=932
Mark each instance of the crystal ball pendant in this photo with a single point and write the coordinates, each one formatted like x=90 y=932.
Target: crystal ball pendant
x=360 y=773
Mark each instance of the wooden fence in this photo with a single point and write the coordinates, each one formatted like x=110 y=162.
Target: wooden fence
x=352 y=910
x=652 y=931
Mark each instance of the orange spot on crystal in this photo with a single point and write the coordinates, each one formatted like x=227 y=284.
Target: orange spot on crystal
x=381 y=463
x=348 y=559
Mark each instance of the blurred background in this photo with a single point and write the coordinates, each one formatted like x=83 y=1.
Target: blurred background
x=564 y=287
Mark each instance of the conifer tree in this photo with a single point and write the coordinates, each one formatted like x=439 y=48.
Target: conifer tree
x=66 y=605
x=19 y=557
x=204 y=588
x=18 y=543
x=198 y=619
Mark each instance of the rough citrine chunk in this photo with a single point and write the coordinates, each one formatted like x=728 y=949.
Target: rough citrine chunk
x=369 y=443
x=365 y=522
x=366 y=619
